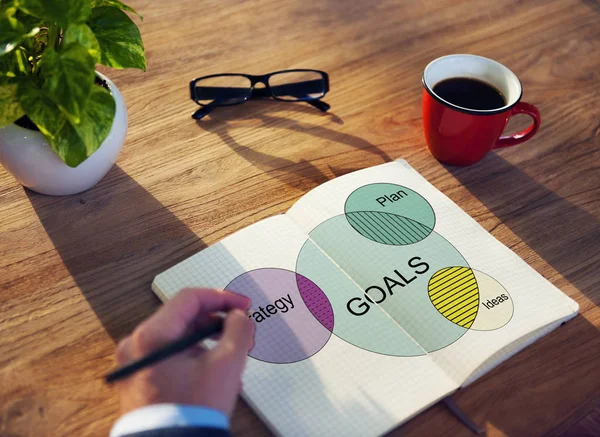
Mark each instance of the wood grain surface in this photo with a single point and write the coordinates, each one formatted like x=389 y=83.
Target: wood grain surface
x=75 y=272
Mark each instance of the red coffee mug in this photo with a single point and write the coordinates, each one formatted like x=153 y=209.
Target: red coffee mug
x=462 y=136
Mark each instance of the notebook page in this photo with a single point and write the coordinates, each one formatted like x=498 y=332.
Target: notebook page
x=533 y=305
x=300 y=377
x=455 y=289
x=497 y=333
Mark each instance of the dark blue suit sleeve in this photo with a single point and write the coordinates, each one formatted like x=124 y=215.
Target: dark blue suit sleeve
x=184 y=431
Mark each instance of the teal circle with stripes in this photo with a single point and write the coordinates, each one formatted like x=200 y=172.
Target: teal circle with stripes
x=379 y=292
x=389 y=214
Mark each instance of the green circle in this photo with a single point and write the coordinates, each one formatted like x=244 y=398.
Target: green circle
x=355 y=273
x=389 y=214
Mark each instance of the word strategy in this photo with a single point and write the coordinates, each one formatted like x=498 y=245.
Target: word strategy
x=280 y=304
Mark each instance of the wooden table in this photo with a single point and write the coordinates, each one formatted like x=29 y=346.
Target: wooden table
x=75 y=272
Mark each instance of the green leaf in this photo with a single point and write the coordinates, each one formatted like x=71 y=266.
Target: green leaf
x=73 y=143
x=97 y=119
x=82 y=34
x=14 y=64
x=116 y=4
x=41 y=109
x=61 y=12
x=69 y=76
x=7 y=6
x=29 y=21
x=119 y=38
x=10 y=108
x=12 y=32
x=10 y=40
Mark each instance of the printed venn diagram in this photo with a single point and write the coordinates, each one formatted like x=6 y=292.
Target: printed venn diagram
x=378 y=277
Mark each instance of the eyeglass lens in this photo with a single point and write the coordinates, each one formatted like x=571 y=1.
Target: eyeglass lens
x=297 y=85
x=223 y=90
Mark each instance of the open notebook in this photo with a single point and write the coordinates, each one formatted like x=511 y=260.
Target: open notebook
x=374 y=297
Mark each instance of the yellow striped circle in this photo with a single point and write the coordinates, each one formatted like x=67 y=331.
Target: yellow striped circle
x=453 y=292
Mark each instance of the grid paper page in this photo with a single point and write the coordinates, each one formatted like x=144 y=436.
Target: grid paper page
x=476 y=296
x=538 y=306
x=302 y=378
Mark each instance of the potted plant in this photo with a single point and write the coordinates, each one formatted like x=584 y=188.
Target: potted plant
x=62 y=123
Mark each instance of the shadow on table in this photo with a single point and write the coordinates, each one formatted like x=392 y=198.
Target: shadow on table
x=114 y=239
x=564 y=234
x=560 y=368
x=593 y=4
x=299 y=175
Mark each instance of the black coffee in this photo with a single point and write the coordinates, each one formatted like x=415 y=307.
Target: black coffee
x=470 y=93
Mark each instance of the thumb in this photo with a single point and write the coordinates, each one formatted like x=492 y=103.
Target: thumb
x=238 y=335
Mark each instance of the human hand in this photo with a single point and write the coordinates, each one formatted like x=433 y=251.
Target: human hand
x=197 y=376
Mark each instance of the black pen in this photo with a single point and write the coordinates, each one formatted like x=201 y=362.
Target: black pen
x=165 y=352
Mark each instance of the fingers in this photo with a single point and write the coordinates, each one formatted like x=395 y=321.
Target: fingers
x=124 y=352
x=204 y=321
x=195 y=351
x=230 y=357
x=238 y=336
x=178 y=315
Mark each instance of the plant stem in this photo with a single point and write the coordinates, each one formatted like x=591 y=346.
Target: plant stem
x=53 y=36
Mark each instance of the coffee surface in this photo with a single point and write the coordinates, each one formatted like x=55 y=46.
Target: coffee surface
x=470 y=93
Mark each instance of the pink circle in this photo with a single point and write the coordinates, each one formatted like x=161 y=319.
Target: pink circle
x=316 y=301
x=292 y=316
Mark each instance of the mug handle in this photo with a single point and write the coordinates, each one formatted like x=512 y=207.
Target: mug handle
x=524 y=135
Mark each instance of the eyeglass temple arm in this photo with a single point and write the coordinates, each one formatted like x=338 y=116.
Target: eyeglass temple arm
x=205 y=110
x=319 y=104
x=202 y=112
x=300 y=90
x=259 y=93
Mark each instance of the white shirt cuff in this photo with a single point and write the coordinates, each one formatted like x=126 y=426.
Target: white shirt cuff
x=160 y=416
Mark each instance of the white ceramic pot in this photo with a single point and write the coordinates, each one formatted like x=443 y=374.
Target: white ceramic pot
x=28 y=157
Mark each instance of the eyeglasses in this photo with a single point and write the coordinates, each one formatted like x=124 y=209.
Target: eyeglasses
x=232 y=89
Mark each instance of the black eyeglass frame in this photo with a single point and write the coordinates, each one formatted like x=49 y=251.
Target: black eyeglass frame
x=260 y=92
